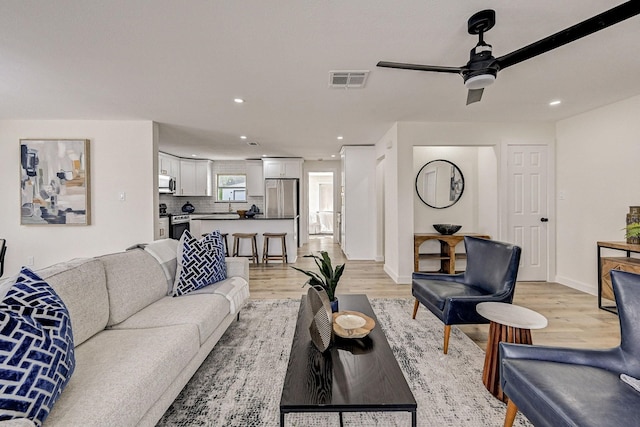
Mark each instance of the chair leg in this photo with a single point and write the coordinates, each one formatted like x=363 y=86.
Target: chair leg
x=447 y=332
x=234 y=253
x=512 y=410
x=415 y=308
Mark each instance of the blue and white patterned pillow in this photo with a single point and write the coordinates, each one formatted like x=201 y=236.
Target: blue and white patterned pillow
x=36 y=349
x=200 y=262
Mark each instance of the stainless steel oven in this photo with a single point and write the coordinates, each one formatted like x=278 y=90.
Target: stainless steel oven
x=177 y=225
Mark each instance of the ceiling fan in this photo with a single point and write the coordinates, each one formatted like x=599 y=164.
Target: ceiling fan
x=482 y=68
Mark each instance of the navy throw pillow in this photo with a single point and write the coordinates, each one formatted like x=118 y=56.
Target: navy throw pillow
x=200 y=262
x=36 y=349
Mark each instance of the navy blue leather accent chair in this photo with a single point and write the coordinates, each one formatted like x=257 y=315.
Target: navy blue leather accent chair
x=554 y=386
x=492 y=268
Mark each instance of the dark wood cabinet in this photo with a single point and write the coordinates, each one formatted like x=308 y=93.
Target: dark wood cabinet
x=606 y=298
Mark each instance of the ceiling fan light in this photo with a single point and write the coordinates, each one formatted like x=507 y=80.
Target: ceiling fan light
x=480 y=81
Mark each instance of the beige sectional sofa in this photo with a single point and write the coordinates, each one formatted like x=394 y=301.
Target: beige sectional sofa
x=135 y=347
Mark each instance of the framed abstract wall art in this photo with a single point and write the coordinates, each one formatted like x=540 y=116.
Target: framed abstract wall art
x=54 y=182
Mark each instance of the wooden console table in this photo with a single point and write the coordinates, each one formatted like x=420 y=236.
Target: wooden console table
x=447 y=255
x=606 y=264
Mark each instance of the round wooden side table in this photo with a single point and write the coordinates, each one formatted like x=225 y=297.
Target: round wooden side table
x=509 y=323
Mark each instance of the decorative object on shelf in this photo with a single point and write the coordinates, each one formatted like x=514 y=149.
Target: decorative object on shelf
x=327 y=279
x=633 y=225
x=447 y=229
x=54 y=182
x=352 y=324
x=319 y=317
x=188 y=208
x=439 y=184
x=242 y=213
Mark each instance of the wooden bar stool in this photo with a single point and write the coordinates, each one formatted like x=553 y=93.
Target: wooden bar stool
x=266 y=256
x=254 y=245
x=226 y=243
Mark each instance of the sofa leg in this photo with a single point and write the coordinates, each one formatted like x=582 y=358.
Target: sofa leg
x=447 y=332
x=512 y=410
x=415 y=308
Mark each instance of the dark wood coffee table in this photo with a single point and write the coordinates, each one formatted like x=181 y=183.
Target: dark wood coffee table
x=360 y=375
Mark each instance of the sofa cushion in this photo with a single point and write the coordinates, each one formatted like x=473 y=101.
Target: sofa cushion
x=204 y=311
x=561 y=394
x=36 y=349
x=437 y=291
x=82 y=285
x=234 y=289
x=134 y=280
x=121 y=373
x=200 y=262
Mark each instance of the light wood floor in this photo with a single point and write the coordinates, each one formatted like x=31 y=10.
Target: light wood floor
x=574 y=317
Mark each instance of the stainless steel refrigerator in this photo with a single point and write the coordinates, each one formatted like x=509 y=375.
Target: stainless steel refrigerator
x=281 y=198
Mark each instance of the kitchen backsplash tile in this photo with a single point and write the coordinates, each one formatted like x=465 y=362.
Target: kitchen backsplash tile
x=208 y=204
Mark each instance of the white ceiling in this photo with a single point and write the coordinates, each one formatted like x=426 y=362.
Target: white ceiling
x=181 y=63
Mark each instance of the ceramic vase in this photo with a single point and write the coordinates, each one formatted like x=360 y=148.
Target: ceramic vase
x=334 y=305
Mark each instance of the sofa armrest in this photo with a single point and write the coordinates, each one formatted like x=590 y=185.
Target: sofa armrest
x=610 y=359
x=18 y=422
x=238 y=267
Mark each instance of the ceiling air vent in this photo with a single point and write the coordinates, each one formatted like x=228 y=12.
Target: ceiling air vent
x=253 y=144
x=348 y=79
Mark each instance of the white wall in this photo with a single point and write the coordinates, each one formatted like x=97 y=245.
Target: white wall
x=387 y=151
x=122 y=160
x=598 y=171
x=400 y=176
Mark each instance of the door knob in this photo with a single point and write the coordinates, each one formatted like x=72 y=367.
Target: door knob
x=544 y=219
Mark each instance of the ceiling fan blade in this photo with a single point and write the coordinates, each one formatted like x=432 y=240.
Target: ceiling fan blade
x=582 y=29
x=403 y=66
x=474 y=95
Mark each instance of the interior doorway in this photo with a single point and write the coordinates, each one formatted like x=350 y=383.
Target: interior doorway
x=321 y=195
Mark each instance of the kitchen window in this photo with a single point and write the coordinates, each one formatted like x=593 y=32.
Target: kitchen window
x=232 y=188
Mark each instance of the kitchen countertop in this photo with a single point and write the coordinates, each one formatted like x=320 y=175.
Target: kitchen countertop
x=232 y=216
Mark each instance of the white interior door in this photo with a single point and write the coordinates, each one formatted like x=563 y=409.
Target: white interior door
x=527 y=216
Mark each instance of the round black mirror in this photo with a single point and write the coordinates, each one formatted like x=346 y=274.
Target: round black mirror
x=439 y=184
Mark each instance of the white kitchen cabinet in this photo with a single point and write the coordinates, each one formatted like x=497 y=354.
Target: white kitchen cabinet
x=255 y=179
x=168 y=165
x=358 y=192
x=195 y=178
x=282 y=168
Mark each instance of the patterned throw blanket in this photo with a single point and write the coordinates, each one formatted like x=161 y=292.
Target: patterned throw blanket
x=165 y=252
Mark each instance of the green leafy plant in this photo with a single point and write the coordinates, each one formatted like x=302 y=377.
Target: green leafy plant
x=328 y=278
x=633 y=230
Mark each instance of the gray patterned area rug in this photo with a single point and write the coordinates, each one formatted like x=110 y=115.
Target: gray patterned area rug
x=240 y=382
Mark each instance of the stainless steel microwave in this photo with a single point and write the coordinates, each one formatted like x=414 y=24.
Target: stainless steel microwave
x=166 y=184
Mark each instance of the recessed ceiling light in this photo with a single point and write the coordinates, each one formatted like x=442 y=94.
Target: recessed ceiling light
x=333 y=155
x=555 y=102
x=194 y=155
x=243 y=137
x=340 y=137
x=264 y=155
x=238 y=100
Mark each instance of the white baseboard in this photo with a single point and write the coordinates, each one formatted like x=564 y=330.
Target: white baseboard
x=583 y=287
x=391 y=273
x=400 y=280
